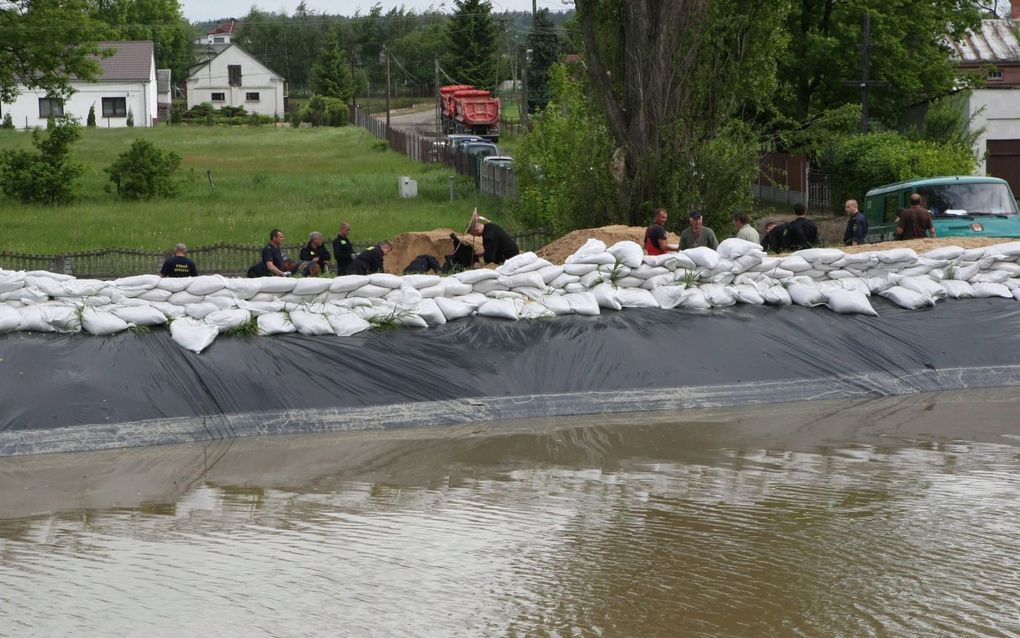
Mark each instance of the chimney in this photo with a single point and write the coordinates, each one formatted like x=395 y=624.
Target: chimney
x=1014 y=9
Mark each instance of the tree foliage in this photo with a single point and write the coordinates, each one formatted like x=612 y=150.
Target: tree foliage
x=47 y=176
x=331 y=75
x=144 y=172
x=325 y=111
x=160 y=21
x=543 y=41
x=29 y=30
x=472 y=42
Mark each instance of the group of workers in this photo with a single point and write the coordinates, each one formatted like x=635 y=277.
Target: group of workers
x=314 y=259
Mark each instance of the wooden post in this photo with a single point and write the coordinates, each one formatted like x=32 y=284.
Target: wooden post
x=387 y=91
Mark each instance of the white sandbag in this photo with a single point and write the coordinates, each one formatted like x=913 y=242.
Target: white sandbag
x=990 y=277
x=471 y=277
x=192 y=334
x=277 y=285
x=718 y=295
x=499 y=309
x=11 y=280
x=1016 y=293
x=557 y=304
x=652 y=283
x=368 y=291
x=407 y=298
x=579 y=270
x=309 y=323
x=27 y=295
x=915 y=271
x=523 y=280
x=79 y=288
x=1010 y=249
x=184 y=299
x=777 y=296
x=748 y=294
x=453 y=287
x=227 y=320
x=897 y=255
x=600 y=259
x=102 y=323
x=205 y=285
x=583 y=303
x=473 y=299
x=805 y=295
x=141 y=315
x=347 y=324
x=703 y=257
x=627 y=252
x=169 y=310
x=647 y=272
x=636 y=298
x=965 y=272
x=517 y=263
x=421 y=282
x=309 y=286
x=972 y=254
x=9 y=318
x=821 y=255
x=200 y=310
x=242 y=287
x=906 y=298
x=534 y=294
x=747 y=262
x=452 y=309
x=32 y=319
x=628 y=282
x=347 y=283
x=259 y=308
x=923 y=285
x=668 y=297
x=795 y=263
x=95 y=301
x=409 y=319
x=839 y=274
x=535 y=310
x=156 y=294
x=734 y=248
x=986 y=289
x=432 y=291
x=174 y=284
x=563 y=280
x=1011 y=267
x=672 y=261
x=430 y=311
x=694 y=299
x=1012 y=283
x=222 y=303
x=146 y=282
x=592 y=279
x=849 y=302
x=386 y=280
x=605 y=297
x=945 y=252
x=549 y=274
x=855 y=283
x=489 y=285
x=590 y=247
x=274 y=323
x=957 y=289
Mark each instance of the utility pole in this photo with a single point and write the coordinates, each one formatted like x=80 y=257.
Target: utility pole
x=524 y=87
x=866 y=83
x=439 y=106
x=387 y=90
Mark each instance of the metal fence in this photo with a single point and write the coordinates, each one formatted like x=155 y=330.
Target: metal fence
x=820 y=193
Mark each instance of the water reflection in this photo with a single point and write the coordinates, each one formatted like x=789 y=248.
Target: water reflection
x=891 y=517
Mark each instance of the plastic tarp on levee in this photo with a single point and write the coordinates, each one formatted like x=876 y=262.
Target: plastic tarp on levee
x=64 y=393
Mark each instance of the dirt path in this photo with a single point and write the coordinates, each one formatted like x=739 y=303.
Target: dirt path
x=420 y=119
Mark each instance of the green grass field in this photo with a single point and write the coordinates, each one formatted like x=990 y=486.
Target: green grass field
x=298 y=180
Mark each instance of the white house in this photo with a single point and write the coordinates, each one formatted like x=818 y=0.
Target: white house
x=125 y=85
x=222 y=33
x=234 y=78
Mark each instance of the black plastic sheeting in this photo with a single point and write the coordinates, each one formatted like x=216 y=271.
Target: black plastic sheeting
x=62 y=393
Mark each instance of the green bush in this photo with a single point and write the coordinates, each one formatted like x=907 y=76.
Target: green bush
x=130 y=119
x=325 y=111
x=144 y=172
x=90 y=121
x=49 y=176
x=8 y=121
x=863 y=161
x=233 y=111
x=202 y=110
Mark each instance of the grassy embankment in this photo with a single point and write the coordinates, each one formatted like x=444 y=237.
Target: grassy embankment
x=298 y=180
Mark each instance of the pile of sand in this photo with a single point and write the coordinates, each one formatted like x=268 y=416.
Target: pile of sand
x=558 y=250
x=407 y=246
x=924 y=245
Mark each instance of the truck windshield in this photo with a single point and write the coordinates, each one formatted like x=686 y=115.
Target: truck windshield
x=968 y=199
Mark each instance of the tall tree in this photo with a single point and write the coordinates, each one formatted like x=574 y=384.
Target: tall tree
x=543 y=41
x=472 y=43
x=160 y=21
x=331 y=75
x=28 y=55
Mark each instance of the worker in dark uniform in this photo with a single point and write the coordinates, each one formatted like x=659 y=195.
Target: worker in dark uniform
x=498 y=246
x=371 y=260
x=772 y=241
x=314 y=253
x=179 y=265
x=343 y=250
x=271 y=264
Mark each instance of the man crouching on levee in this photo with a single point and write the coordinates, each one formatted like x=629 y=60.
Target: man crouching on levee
x=497 y=245
x=271 y=264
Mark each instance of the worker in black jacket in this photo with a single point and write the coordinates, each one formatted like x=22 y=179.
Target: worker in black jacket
x=801 y=232
x=371 y=260
x=498 y=246
x=314 y=253
x=343 y=250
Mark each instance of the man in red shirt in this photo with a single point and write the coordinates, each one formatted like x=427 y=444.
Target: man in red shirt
x=655 y=235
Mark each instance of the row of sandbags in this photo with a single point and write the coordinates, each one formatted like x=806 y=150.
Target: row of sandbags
x=593 y=279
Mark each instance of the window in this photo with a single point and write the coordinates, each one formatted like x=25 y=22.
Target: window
x=251 y=97
x=114 y=107
x=219 y=97
x=217 y=40
x=995 y=75
x=234 y=74
x=51 y=107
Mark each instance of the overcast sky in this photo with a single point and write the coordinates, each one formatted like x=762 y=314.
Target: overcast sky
x=205 y=10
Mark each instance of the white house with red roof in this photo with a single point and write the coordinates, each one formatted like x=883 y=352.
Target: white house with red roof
x=233 y=77
x=125 y=86
x=222 y=33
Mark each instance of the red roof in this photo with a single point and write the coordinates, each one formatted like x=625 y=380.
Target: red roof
x=225 y=27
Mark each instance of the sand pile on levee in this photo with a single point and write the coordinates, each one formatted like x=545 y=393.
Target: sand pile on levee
x=407 y=246
x=558 y=251
x=924 y=245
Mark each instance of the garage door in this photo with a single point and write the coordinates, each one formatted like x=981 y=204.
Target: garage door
x=1004 y=162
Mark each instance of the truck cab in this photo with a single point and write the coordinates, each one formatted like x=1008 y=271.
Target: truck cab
x=961 y=206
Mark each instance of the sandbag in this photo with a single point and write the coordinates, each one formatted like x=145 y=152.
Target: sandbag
x=590 y=248
x=489 y=285
x=200 y=310
x=499 y=309
x=746 y=293
x=957 y=289
x=11 y=281
x=672 y=261
x=205 y=285
x=965 y=272
x=592 y=279
x=429 y=310
x=141 y=315
x=276 y=285
x=102 y=323
x=227 y=320
x=184 y=299
x=386 y=280
x=945 y=252
x=906 y=298
x=192 y=334
x=274 y=323
x=734 y=248
x=924 y=286
x=627 y=252
x=848 y=302
x=583 y=303
x=452 y=309
x=636 y=298
x=368 y=291
x=804 y=295
x=308 y=323
x=703 y=257
x=668 y=297
x=156 y=294
x=820 y=255
x=986 y=289
x=33 y=319
x=347 y=283
x=347 y=324
x=563 y=280
x=145 y=282
x=777 y=296
x=471 y=277
x=557 y=304
x=990 y=277
x=523 y=280
x=406 y=298
x=517 y=263
x=795 y=263
x=453 y=287
x=605 y=297
x=535 y=310
x=473 y=299
x=309 y=286
x=719 y=296
x=579 y=270
x=9 y=318
x=432 y=291
x=421 y=282
x=694 y=299
x=549 y=274
x=897 y=255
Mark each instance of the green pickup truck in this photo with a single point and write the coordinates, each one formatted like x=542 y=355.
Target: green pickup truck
x=960 y=207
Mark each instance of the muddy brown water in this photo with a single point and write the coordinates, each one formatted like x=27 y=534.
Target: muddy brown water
x=891 y=517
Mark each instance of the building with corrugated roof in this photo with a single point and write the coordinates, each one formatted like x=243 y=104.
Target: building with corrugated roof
x=125 y=86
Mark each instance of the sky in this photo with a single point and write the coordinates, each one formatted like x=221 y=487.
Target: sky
x=205 y=10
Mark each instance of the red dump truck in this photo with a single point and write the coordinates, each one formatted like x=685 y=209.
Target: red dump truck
x=466 y=109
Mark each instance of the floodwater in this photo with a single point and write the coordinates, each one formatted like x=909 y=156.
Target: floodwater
x=891 y=517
